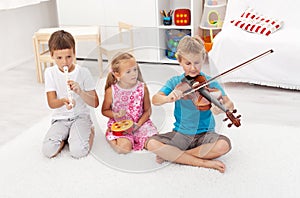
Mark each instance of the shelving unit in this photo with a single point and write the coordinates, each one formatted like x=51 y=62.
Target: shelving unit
x=150 y=33
x=195 y=7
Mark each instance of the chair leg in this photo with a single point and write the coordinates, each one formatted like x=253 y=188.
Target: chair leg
x=100 y=64
x=37 y=61
x=40 y=71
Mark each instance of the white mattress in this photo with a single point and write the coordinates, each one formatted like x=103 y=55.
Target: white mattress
x=233 y=46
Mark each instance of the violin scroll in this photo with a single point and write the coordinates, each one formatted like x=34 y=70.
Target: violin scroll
x=236 y=121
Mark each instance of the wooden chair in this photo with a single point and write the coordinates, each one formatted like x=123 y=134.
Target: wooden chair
x=110 y=49
x=41 y=51
x=42 y=54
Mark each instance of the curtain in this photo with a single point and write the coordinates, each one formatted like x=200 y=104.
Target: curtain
x=11 y=4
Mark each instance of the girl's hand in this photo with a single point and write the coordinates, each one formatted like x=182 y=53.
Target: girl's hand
x=135 y=127
x=74 y=86
x=120 y=114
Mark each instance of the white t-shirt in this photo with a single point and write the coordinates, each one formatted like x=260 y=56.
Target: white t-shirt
x=55 y=80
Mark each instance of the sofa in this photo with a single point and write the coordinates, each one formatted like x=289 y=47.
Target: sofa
x=233 y=46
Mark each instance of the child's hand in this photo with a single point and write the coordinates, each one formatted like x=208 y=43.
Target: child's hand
x=174 y=95
x=68 y=103
x=135 y=127
x=120 y=114
x=215 y=110
x=74 y=86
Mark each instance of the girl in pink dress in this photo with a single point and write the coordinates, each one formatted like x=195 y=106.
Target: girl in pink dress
x=127 y=98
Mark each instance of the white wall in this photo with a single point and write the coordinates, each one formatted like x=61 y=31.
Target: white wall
x=140 y=13
x=17 y=28
x=107 y=14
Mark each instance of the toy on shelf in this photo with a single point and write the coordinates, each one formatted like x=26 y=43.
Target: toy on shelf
x=212 y=19
x=167 y=17
x=173 y=37
x=212 y=2
x=182 y=17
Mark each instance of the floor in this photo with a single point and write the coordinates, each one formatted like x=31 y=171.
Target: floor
x=23 y=101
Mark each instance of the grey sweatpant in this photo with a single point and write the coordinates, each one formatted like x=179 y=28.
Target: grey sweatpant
x=76 y=131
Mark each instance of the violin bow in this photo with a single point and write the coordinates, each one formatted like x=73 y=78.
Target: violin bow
x=189 y=91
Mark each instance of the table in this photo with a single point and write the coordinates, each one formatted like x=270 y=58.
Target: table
x=80 y=33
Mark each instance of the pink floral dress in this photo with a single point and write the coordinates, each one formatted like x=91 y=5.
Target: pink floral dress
x=131 y=100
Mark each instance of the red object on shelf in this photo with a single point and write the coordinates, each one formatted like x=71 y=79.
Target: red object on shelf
x=207 y=43
x=182 y=17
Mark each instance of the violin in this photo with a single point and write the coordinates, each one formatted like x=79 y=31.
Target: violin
x=205 y=96
x=201 y=94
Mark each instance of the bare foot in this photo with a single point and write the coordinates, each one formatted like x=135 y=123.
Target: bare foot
x=215 y=164
x=159 y=160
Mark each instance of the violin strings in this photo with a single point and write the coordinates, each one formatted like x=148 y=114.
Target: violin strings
x=227 y=72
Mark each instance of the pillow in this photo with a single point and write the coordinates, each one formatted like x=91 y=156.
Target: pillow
x=252 y=21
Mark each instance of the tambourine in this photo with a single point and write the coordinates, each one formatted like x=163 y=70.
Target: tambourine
x=122 y=127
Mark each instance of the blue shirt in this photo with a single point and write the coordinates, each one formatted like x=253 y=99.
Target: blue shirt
x=188 y=119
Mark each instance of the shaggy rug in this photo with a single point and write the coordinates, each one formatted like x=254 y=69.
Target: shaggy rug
x=264 y=162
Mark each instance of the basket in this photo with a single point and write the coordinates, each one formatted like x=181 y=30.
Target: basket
x=173 y=37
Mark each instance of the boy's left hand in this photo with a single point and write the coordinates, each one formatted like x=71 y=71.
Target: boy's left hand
x=74 y=86
x=227 y=103
x=215 y=110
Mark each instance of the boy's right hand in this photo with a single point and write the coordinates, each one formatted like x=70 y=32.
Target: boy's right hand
x=177 y=93
x=174 y=95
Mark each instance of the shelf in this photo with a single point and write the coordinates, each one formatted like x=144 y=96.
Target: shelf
x=164 y=39
x=167 y=60
x=215 y=6
x=186 y=27
x=210 y=28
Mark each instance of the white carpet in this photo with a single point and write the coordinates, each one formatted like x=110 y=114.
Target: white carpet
x=264 y=162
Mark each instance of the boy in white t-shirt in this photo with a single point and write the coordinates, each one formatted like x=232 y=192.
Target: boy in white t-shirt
x=69 y=89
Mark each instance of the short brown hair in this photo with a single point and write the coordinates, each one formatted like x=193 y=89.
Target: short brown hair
x=60 y=40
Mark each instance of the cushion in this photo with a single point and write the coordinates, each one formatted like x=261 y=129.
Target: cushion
x=252 y=21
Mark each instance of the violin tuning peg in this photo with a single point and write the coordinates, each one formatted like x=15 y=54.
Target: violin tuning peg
x=225 y=119
x=238 y=116
x=234 y=111
x=229 y=125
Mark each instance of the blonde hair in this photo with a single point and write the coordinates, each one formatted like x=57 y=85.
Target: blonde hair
x=115 y=65
x=190 y=45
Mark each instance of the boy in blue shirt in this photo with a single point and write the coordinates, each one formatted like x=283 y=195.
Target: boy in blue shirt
x=193 y=140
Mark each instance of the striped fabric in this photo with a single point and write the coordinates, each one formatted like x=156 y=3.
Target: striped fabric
x=252 y=21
